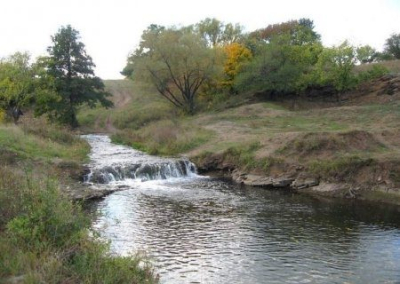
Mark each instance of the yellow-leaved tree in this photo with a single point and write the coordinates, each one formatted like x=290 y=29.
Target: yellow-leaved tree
x=236 y=56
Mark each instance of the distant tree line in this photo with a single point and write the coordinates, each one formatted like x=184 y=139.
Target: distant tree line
x=55 y=85
x=211 y=58
x=206 y=60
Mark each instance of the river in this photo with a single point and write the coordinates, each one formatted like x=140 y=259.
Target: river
x=198 y=229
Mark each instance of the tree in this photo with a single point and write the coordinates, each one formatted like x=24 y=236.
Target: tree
x=216 y=32
x=236 y=56
x=280 y=66
x=16 y=84
x=177 y=62
x=366 y=54
x=335 y=67
x=392 y=46
x=295 y=32
x=69 y=78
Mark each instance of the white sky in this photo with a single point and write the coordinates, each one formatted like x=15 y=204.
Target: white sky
x=110 y=29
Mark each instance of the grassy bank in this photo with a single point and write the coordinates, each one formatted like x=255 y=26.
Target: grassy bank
x=353 y=142
x=135 y=107
x=164 y=137
x=44 y=236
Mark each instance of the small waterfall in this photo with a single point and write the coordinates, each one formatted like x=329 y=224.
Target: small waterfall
x=111 y=162
x=142 y=171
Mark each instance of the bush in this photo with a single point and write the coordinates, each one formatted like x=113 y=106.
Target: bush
x=44 y=236
x=376 y=71
x=46 y=240
x=11 y=192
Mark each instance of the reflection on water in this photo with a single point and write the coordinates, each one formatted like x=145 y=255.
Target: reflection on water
x=201 y=230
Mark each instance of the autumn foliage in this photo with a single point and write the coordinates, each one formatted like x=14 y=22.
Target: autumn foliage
x=236 y=55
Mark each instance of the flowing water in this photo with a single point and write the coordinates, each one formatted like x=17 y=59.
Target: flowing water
x=202 y=230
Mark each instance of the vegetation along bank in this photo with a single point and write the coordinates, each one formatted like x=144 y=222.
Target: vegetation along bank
x=45 y=232
x=271 y=108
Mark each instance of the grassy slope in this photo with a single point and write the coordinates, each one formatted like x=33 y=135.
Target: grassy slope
x=353 y=142
x=44 y=237
x=134 y=107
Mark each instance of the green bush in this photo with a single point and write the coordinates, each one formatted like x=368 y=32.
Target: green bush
x=46 y=240
x=44 y=236
x=46 y=219
x=376 y=71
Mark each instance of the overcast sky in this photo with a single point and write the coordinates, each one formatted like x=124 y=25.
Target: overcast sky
x=110 y=29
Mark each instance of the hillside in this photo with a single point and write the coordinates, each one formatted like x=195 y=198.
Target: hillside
x=351 y=149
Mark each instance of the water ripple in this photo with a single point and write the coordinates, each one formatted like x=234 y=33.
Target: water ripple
x=202 y=230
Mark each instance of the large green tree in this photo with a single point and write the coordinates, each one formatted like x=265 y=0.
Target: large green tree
x=366 y=54
x=217 y=33
x=392 y=46
x=177 y=62
x=284 y=55
x=70 y=76
x=16 y=84
x=335 y=68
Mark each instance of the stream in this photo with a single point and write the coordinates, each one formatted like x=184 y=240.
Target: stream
x=198 y=229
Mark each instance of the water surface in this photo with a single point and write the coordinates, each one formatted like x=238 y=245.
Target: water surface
x=203 y=230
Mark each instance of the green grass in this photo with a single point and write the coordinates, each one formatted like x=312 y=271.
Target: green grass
x=135 y=107
x=393 y=66
x=51 y=145
x=342 y=168
x=136 y=116
x=166 y=137
x=44 y=236
x=322 y=138
x=243 y=155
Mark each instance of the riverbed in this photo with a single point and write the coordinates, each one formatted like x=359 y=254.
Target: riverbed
x=197 y=229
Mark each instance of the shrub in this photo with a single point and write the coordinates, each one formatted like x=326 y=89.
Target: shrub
x=47 y=241
x=376 y=71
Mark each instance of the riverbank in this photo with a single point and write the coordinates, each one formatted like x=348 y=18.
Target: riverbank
x=45 y=234
x=349 y=150
x=197 y=228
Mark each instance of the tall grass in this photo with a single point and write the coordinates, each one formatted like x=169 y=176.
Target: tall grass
x=42 y=142
x=135 y=107
x=44 y=236
x=165 y=138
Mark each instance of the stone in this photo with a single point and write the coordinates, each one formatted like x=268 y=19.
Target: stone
x=304 y=183
x=262 y=182
x=282 y=182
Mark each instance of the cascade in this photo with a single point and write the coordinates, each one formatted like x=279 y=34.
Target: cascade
x=110 y=162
